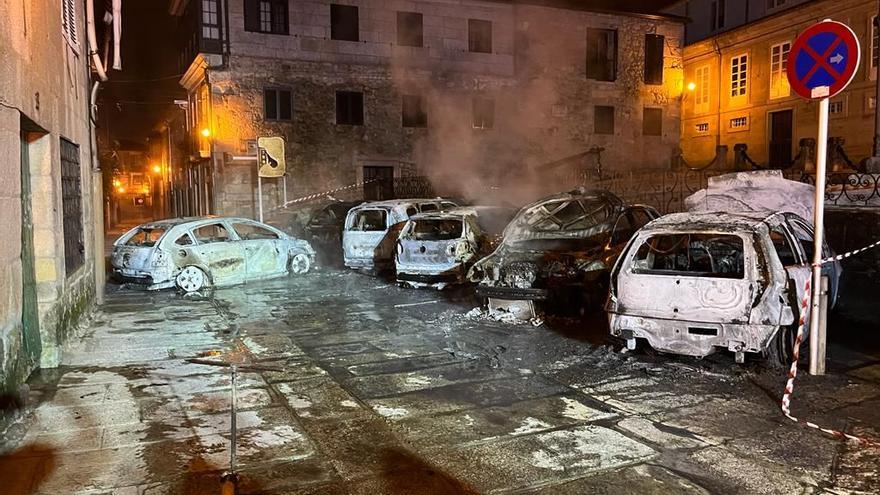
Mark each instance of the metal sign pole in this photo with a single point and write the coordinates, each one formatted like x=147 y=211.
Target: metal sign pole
x=817 y=341
x=260 y=194
x=284 y=180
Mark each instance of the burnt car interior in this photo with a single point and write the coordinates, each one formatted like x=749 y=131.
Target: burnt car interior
x=576 y=214
x=214 y=232
x=370 y=220
x=249 y=232
x=145 y=237
x=437 y=229
x=699 y=255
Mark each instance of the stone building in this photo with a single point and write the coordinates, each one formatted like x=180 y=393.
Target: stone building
x=468 y=93
x=738 y=92
x=47 y=216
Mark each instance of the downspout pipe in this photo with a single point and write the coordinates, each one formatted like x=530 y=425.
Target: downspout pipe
x=117 y=34
x=93 y=43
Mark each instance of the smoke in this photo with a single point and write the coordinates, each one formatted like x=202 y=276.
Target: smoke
x=543 y=105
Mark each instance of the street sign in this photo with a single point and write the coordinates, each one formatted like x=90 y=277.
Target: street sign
x=821 y=63
x=823 y=60
x=271 y=156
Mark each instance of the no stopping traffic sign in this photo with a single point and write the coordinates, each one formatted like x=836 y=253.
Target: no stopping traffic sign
x=825 y=55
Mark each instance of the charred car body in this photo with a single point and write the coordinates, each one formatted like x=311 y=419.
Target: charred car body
x=437 y=249
x=371 y=230
x=324 y=229
x=560 y=250
x=192 y=253
x=691 y=283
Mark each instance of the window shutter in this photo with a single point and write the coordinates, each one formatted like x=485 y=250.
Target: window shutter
x=252 y=15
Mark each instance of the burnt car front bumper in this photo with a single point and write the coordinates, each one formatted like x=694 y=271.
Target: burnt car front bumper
x=424 y=274
x=512 y=293
x=140 y=278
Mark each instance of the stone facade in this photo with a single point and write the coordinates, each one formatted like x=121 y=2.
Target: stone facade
x=534 y=74
x=44 y=91
x=712 y=116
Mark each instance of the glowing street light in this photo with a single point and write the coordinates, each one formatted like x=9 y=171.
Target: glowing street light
x=157 y=169
x=692 y=86
x=206 y=132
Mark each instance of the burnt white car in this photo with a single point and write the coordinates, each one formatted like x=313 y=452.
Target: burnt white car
x=692 y=283
x=371 y=230
x=437 y=249
x=193 y=253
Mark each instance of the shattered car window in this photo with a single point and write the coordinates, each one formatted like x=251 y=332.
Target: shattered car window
x=145 y=237
x=436 y=229
x=207 y=234
x=249 y=232
x=370 y=220
x=783 y=248
x=563 y=215
x=184 y=240
x=428 y=207
x=704 y=255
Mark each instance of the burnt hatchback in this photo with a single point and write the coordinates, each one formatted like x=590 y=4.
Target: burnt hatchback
x=559 y=251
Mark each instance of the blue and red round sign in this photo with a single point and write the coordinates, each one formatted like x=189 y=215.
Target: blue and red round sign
x=823 y=60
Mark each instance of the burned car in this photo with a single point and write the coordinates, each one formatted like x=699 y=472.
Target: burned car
x=193 y=253
x=559 y=251
x=691 y=283
x=324 y=228
x=437 y=249
x=371 y=230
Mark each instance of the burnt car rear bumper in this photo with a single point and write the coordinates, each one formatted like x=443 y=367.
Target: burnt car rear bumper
x=512 y=293
x=142 y=279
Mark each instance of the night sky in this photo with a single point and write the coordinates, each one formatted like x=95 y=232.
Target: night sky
x=136 y=98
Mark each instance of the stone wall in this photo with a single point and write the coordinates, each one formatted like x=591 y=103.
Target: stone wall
x=43 y=90
x=536 y=76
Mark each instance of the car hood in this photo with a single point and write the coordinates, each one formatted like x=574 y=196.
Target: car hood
x=764 y=191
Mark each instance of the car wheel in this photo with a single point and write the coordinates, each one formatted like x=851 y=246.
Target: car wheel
x=299 y=264
x=779 y=352
x=191 y=279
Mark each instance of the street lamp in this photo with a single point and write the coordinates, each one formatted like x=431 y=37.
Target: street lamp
x=157 y=169
x=206 y=132
x=691 y=86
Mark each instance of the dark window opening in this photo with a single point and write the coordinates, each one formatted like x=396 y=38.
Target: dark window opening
x=484 y=113
x=266 y=16
x=71 y=203
x=414 y=114
x=718 y=9
x=783 y=248
x=370 y=221
x=479 y=36
x=702 y=255
x=435 y=229
x=277 y=104
x=652 y=122
x=250 y=232
x=145 y=237
x=654 y=46
x=211 y=233
x=409 y=29
x=349 y=108
x=344 y=22
x=603 y=120
x=602 y=54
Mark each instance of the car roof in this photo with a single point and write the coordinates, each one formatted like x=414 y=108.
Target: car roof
x=391 y=203
x=739 y=221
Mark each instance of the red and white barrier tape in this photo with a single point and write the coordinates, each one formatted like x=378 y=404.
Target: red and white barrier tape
x=792 y=374
x=322 y=194
x=851 y=253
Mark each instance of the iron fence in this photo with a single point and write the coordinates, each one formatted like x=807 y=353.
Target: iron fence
x=846 y=189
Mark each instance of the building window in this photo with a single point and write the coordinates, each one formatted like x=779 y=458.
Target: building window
x=739 y=75
x=718 y=9
x=871 y=103
x=344 y=22
x=701 y=89
x=71 y=203
x=349 y=108
x=702 y=128
x=739 y=123
x=778 y=66
x=603 y=120
x=654 y=46
x=414 y=114
x=602 y=54
x=837 y=107
x=484 y=113
x=409 y=29
x=69 y=27
x=652 y=122
x=210 y=20
x=266 y=16
x=479 y=36
x=277 y=104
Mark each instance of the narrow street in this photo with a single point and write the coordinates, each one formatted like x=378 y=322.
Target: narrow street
x=385 y=390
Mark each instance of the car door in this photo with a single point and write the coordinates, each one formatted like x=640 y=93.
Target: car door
x=264 y=253
x=218 y=253
x=365 y=229
x=804 y=234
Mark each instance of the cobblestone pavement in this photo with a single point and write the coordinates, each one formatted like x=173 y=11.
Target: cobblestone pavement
x=369 y=389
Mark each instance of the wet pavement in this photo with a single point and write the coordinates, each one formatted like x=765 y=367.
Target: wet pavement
x=367 y=388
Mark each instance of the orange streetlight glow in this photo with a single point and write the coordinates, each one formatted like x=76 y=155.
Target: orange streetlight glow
x=157 y=169
x=206 y=132
x=120 y=190
x=692 y=86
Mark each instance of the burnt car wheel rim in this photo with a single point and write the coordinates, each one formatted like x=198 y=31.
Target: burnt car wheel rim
x=299 y=264
x=191 y=279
